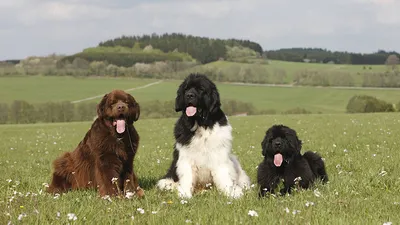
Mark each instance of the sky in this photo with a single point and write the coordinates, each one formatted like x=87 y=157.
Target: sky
x=43 y=27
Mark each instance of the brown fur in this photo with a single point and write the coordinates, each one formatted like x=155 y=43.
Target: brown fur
x=103 y=154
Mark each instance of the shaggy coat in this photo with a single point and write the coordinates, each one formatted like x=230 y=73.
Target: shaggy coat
x=103 y=160
x=202 y=151
x=283 y=160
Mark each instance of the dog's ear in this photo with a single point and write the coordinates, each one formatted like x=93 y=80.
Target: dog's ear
x=136 y=107
x=299 y=144
x=137 y=114
x=264 y=144
x=180 y=100
x=101 y=107
x=215 y=101
x=264 y=147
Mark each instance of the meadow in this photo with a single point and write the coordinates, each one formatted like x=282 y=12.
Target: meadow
x=39 y=89
x=283 y=71
x=360 y=152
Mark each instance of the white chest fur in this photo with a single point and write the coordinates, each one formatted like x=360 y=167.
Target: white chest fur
x=208 y=149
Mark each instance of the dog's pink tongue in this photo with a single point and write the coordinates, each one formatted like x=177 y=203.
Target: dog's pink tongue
x=191 y=110
x=278 y=159
x=120 y=126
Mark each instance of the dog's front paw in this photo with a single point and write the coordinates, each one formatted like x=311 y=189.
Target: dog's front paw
x=166 y=184
x=184 y=192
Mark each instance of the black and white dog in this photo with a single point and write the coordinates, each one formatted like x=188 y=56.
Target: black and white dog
x=202 y=151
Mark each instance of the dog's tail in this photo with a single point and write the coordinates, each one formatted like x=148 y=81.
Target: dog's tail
x=63 y=168
x=243 y=180
x=317 y=165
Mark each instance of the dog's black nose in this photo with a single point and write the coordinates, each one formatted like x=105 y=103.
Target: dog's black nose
x=277 y=143
x=120 y=107
x=190 y=95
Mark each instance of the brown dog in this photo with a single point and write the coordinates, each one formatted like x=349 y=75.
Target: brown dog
x=104 y=158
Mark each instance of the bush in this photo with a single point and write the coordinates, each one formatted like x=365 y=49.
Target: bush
x=367 y=104
x=22 y=112
x=53 y=112
x=232 y=107
x=3 y=113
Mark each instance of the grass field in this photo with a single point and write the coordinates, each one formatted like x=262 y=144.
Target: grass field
x=360 y=151
x=291 y=68
x=324 y=100
x=34 y=89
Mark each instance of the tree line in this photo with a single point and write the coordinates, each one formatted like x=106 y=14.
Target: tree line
x=319 y=55
x=203 y=49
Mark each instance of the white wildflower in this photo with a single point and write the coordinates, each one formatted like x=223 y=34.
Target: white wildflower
x=296 y=212
x=21 y=216
x=382 y=173
x=188 y=221
x=252 y=213
x=107 y=197
x=183 y=202
x=72 y=216
x=56 y=196
x=297 y=179
x=140 y=210
x=154 y=212
x=114 y=180
x=387 y=223
x=129 y=195
x=287 y=210
x=309 y=203
x=317 y=193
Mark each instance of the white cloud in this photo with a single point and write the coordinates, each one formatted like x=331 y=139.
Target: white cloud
x=40 y=27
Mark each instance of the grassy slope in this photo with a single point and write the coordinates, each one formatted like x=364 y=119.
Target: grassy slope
x=325 y=100
x=292 y=67
x=356 y=148
x=50 y=88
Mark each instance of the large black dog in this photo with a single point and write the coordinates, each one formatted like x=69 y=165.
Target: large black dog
x=202 y=151
x=283 y=160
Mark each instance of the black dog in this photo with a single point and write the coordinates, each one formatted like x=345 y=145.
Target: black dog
x=283 y=160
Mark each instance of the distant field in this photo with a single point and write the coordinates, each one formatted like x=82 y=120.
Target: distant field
x=51 y=88
x=324 y=100
x=290 y=68
x=360 y=152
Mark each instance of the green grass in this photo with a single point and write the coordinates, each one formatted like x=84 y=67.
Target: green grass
x=36 y=89
x=357 y=149
x=324 y=100
x=290 y=68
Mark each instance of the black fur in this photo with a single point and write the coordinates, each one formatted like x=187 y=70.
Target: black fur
x=205 y=97
x=310 y=166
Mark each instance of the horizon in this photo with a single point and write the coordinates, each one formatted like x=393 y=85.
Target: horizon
x=65 y=27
